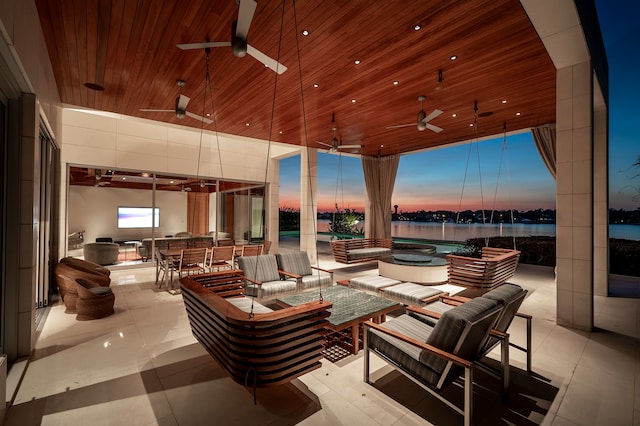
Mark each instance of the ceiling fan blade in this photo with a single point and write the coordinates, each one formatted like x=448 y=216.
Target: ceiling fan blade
x=352 y=146
x=324 y=144
x=433 y=128
x=400 y=125
x=208 y=44
x=267 y=61
x=157 y=110
x=245 y=16
x=183 y=101
x=431 y=116
x=197 y=117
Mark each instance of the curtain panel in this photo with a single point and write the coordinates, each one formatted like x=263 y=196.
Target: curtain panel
x=545 y=138
x=380 y=178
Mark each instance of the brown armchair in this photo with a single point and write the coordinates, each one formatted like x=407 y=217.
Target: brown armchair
x=65 y=279
x=94 y=301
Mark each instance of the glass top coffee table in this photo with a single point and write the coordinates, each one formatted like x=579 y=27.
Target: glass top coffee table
x=351 y=308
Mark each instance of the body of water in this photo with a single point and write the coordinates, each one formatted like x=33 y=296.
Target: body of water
x=462 y=232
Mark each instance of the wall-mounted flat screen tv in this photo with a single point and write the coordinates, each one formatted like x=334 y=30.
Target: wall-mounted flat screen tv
x=137 y=217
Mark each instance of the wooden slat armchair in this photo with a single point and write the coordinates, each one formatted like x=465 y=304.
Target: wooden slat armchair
x=494 y=268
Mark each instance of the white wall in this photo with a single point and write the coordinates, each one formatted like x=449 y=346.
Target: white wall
x=94 y=210
x=113 y=141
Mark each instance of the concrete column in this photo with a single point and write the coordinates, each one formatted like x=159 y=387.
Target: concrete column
x=600 y=193
x=308 y=206
x=575 y=196
x=272 y=192
x=29 y=222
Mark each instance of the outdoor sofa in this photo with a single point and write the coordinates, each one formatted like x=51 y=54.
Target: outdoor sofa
x=357 y=250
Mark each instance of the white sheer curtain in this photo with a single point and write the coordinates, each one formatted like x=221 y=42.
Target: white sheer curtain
x=545 y=138
x=379 y=178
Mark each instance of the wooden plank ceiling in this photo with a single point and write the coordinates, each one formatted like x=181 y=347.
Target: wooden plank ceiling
x=129 y=48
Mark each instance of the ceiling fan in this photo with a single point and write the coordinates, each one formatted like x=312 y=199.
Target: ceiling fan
x=181 y=107
x=238 y=43
x=97 y=178
x=336 y=145
x=423 y=119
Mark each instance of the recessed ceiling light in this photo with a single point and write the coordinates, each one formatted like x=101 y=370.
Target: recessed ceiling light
x=357 y=62
x=517 y=113
x=353 y=101
x=417 y=27
x=246 y=124
x=504 y=101
x=280 y=131
x=305 y=32
x=171 y=182
x=453 y=57
x=454 y=115
x=316 y=85
x=471 y=125
x=395 y=83
x=381 y=146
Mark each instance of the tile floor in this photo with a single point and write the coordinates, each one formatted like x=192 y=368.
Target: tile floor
x=142 y=366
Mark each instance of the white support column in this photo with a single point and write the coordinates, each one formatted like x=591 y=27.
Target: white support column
x=272 y=195
x=600 y=193
x=575 y=196
x=308 y=206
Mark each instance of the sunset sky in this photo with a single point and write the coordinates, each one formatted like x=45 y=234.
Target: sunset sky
x=433 y=180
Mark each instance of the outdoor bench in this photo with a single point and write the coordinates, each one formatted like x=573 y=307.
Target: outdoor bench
x=360 y=249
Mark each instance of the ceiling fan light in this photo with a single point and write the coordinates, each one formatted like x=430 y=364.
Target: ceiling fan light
x=239 y=47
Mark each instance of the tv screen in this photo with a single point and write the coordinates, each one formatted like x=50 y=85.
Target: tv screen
x=137 y=217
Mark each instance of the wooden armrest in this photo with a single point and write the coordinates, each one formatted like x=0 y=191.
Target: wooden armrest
x=422 y=345
x=321 y=269
x=455 y=299
x=499 y=334
x=429 y=299
x=289 y=274
x=252 y=281
x=423 y=311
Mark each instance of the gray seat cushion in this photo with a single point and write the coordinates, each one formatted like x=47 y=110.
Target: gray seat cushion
x=410 y=293
x=272 y=288
x=100 y=291
x=263 y=268
x=372 y=283
x=401 y=353
x=318 y=279
x=504 y=293
x=244 y=304
x=449 y=330
x=296 y=262
x=363 y=253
